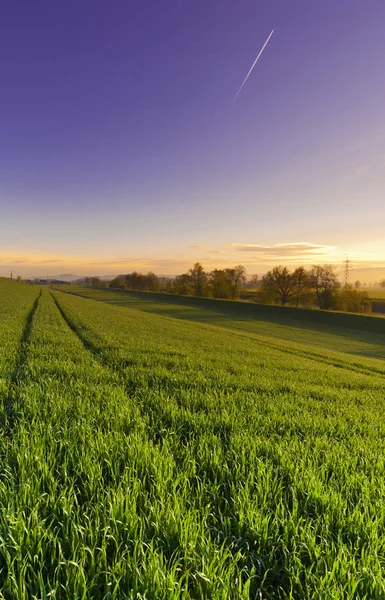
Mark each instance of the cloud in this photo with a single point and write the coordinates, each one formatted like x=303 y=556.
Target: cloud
x=257 y=258
x=291 y=249
x=51 y=261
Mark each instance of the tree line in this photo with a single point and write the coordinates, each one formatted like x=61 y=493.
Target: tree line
x=317 y=286
x=220 y=283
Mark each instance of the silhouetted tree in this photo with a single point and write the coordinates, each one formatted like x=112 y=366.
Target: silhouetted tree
x=235 y=277
x=324 y=281
x=152 y=282
x=135 y=281
x=254 y=281
x=219 y=284
x=281 y=283
x=119 y=283
x=351 y=300
x=302 y=284
x=183 y=284
x=95 y=281
x=199 y=279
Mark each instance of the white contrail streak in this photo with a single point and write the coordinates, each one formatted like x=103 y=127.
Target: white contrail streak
x=253 y=65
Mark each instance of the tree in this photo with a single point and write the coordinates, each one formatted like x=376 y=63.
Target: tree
x=152 y=282
x=135 y=281
x=382 y=283
x=119 y=283
x=350 y=300
x=235 y=277
x=254 y=281
x=357 y=284
x=199 y=279
x=183 y=284
x=219 y=284
x=95 y=282
x=301 y=279
x=324 y=281
x=281 y=283
x=168 y=285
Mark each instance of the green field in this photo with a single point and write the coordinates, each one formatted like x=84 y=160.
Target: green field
x=155 y=448
x=377 y=296
x=375 y=292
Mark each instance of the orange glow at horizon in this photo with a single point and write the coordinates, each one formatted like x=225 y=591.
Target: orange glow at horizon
x=257 y=258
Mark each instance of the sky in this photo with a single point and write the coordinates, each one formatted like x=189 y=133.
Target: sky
x=121 y=147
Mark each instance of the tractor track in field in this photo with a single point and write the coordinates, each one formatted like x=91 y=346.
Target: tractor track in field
x=161 y=425
x=154 y=433
x=19 y=371
x=128 y=386
x=87 y=345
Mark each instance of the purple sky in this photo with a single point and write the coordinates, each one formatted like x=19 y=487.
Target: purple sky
x=120 y=147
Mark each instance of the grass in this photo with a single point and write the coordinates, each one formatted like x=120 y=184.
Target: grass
x=355 y=334
x=375 y=292
x=157 y=457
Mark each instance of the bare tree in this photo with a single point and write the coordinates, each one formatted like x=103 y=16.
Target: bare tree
x=254 y=281
x=235 y=277
x=280 y=282
x=301 y=278
x=324 y=281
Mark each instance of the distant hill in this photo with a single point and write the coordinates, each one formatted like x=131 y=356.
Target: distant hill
x=65 y=277
x=72 y=277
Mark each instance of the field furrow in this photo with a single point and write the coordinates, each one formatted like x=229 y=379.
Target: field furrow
x=17 y=308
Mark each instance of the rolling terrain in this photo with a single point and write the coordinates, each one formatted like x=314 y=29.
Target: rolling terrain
x=162 y=449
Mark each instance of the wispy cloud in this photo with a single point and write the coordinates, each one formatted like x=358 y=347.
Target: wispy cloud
x=295 y=253
x=291 y=249
x=51 y=262
x=204 y=248
x=257 y=258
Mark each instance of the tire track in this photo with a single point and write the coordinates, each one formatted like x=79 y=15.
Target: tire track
x=129 y=386
x=157 y=422
x=98 y=354
x=19 y=371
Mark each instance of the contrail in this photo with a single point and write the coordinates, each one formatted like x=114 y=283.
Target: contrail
x=253 y=65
